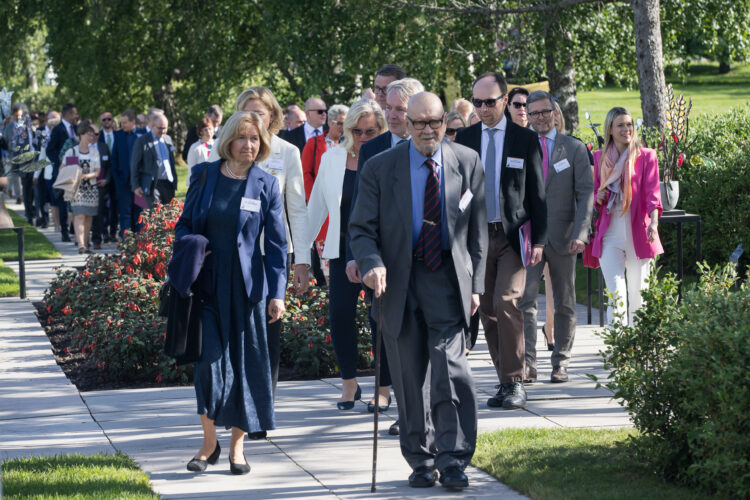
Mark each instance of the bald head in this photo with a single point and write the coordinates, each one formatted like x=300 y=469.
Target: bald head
x=426 y=122
x=315 y=110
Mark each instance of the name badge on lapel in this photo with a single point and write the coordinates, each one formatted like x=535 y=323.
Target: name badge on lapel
x=250 y=205
x=516 y=163
x=561 y=165
x=276 y=164
x=465 y=200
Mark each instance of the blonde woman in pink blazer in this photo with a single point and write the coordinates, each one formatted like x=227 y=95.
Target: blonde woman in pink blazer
x=626 y=189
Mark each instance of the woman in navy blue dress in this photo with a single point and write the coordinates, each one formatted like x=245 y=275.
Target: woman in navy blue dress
x=231 y=204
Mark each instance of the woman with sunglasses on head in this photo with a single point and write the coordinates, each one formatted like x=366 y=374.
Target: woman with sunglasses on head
x=331 y=197
x=627 y=197
x=516 y=110
x=456 y=122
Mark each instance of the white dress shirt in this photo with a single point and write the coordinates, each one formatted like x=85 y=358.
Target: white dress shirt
x=310 y=131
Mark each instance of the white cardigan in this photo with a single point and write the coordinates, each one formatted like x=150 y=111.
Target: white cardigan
x=284 y=163
x=325 y=201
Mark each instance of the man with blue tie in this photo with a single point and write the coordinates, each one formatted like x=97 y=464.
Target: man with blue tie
x=63 y=131
x=420 y=218
x=152 y=168
x=122 y=152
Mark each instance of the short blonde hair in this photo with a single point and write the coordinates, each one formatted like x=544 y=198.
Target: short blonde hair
x=269 y=101
x=359 y=109
x=236 y=124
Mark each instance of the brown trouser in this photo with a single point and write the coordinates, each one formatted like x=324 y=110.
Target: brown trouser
x=504 y=284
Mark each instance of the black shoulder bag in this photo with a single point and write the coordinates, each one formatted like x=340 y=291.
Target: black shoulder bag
x=184 y=339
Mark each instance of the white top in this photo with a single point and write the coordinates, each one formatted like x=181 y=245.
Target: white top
x=198 y=153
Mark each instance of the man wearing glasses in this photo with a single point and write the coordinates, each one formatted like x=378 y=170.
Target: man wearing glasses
x=514 y=187
x=420 y=218
x=383 y=77
x=316 y=112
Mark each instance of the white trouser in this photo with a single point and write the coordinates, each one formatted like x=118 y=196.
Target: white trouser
x=618 y=260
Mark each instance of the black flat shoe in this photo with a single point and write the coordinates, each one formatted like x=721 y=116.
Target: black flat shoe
x=257 y=435
x=454 y=478
x=197 y=465
x=423 y=477
x=239 y=469
x=381 y=408
x=348 y=405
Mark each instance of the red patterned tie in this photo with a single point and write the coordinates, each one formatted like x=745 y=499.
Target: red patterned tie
x=428 y=246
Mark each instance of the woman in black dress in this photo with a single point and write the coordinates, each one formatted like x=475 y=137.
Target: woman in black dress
x=230 y=202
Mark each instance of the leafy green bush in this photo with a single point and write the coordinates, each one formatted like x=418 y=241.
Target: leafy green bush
x=306 y=345
x=110 y=307
x=681 y=372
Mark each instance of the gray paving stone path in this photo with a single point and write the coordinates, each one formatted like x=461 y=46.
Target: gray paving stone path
x=316 y=450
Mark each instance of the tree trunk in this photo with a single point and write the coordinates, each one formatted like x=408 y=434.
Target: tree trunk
x=650 y=62
x=562 y=74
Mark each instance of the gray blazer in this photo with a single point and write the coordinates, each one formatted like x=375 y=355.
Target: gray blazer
x=570 y=194
x=145 y=160
x=381 y=230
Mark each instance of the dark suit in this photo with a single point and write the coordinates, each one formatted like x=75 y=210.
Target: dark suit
x=521 y=197
x=424 y=312
x=144 y=170
x=296 y=136
x=122 y=152
x=570 y=199
x=105 y=223
x=57 y=139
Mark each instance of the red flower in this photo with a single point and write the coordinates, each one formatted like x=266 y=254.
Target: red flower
x=328 y=338
x=310 y=345
x=674 y=136
x=681 y=159
x=67 y=310
x=130 y=338
x=361 y=294
x=158 y=378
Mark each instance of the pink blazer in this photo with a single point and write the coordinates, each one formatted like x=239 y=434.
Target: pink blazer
x=646 y=197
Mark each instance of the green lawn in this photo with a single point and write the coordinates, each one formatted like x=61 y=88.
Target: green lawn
x=572 y=464
x=75 y=477
x=710 y=91
x=182 y=172
x=9 y=284
x=37 y=246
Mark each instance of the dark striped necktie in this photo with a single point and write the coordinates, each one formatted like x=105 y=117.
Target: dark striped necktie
x=428 y=245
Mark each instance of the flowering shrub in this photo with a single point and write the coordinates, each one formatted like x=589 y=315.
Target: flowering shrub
x=306 y=344
x=110 y=307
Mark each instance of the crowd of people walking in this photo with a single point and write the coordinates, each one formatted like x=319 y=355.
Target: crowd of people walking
x=447 y=218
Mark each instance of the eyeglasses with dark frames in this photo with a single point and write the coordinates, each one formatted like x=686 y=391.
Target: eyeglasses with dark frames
x=379 y=90
x=544 y=113
x=490 y=103
x=421 y=124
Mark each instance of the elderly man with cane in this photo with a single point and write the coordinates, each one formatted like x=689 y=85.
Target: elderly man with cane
x=427 y=196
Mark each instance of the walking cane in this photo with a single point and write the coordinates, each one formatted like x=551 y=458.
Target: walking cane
x=378 y=341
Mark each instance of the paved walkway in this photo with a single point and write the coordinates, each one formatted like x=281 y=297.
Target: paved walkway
x=316 y=450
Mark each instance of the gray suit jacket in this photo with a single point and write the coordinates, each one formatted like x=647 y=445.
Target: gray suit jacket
x=145 y=160
x=381 y=228
x=570 y=194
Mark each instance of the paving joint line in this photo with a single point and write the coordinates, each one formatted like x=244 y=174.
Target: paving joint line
x=304 y=469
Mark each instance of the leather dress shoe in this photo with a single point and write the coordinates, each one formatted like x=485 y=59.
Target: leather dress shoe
x=198 y=465
x=559 y=375
x=257 y=435
x=348 y=405
x=394 y=429
x=530 y=376
x=66 y=238
x=496 y=401
x=423 y=477
x=454 y=478
x=381 y=408
x=515 y=396
x=238 y=469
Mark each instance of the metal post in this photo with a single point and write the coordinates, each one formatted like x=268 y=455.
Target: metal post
x=21 y=262
x=679 y=260
x=588 y=296
x=601 y=297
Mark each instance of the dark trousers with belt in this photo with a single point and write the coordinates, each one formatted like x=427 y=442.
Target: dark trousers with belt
x=504 y=283
x=437 y=406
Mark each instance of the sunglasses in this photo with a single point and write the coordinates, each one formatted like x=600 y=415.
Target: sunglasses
x=370 y=132
x=490 y=103
x=518 y=105
x=319 y=111
x=452 y=131
x=106 y=119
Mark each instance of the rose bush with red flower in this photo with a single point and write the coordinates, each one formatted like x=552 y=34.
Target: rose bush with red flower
x=110 y=307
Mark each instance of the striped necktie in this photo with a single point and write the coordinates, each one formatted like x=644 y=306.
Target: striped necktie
x=428 y=245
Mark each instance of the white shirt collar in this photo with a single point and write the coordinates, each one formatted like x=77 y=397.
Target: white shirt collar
x=310 y=130
x=501 y=125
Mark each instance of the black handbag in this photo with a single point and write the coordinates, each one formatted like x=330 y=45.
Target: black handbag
x=184 y=339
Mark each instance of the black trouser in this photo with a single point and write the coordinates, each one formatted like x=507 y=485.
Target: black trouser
x=343 y=296
x=41 y=199
x=27 y=187
x=163 y=191
x=105 y=222
x=317 y=269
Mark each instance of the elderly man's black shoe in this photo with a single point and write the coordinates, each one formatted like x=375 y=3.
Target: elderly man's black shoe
x=394 y=429
x=423 y=477
x=496 y=401
x=454 y=478
x=515 y=396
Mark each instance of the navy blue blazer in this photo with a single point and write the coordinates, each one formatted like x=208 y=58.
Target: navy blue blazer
x=122 y=151
x=269 y=219
x=57 y=138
